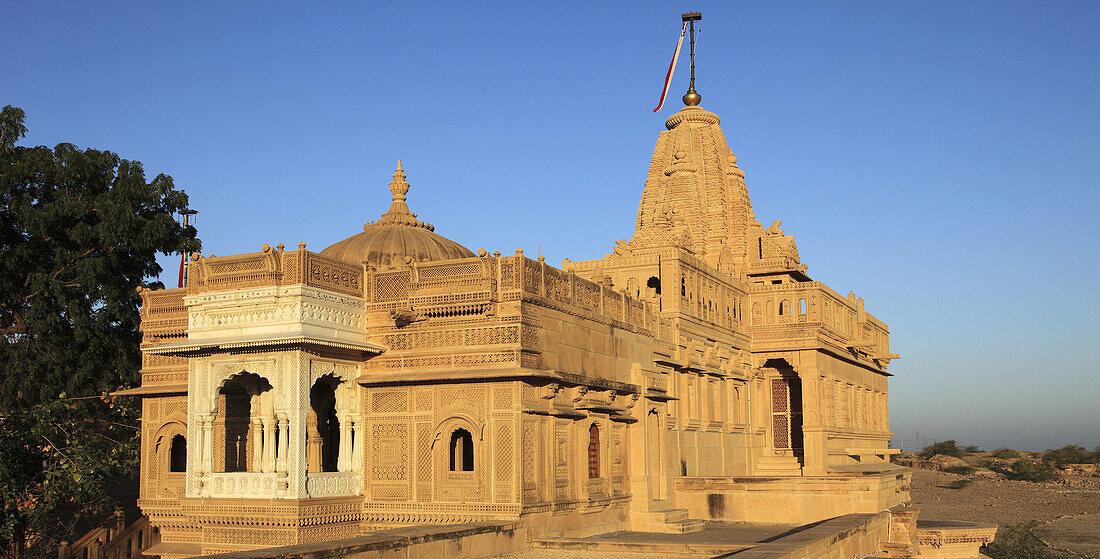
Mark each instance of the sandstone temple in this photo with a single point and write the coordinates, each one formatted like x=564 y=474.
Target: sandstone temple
x=695 y=377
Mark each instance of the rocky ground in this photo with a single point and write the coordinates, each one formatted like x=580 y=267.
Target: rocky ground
x=1066 y=511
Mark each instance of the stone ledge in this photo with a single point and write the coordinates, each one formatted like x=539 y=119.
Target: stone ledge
x=382 y=540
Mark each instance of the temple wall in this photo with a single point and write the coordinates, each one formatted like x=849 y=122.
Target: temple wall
x=582 y=346
x=411 y=435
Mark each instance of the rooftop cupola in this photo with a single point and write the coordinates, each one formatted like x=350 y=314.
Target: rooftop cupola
x=396 y=236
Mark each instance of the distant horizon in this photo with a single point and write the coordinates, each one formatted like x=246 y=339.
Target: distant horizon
x=937 y=160
x=985 y=445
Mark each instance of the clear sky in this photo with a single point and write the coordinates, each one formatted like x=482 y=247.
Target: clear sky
x=939 y=159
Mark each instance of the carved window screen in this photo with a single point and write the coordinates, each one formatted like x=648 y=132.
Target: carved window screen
x=780 y=415
x=593 y=451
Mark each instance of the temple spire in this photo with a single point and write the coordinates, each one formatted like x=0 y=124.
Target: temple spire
x=692 y=98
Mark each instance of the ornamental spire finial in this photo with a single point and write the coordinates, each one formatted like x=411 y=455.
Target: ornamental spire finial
x=399 y=187
x=692 y=98
x=399 y=213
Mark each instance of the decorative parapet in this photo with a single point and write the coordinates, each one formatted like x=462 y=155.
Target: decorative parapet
x=552 y=284
x=251 y=484
x=332 y=484
x=806 y=311
x=163 y=315
x=273 y=267
x=470 y=286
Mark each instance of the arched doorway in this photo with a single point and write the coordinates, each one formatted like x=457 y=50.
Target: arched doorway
x=235 y=448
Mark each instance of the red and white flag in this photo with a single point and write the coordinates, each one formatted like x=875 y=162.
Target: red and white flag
x=671 y=67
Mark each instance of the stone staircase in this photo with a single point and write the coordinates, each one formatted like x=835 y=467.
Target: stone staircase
x=778 y=466
x=669 y=521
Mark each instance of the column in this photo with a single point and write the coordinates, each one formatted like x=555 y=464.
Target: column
x=256 y=435
x=357 y=443
x=283 y=457
x=268 y=463
x=206 y=422
x=344 y=455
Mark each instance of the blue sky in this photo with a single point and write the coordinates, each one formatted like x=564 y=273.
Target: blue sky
x=940 y=160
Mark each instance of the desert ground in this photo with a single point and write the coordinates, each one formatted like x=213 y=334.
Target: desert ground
x=1065 y=511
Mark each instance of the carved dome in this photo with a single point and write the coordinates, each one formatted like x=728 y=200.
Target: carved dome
x=396 y=236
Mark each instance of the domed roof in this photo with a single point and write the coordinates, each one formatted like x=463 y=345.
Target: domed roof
x=396 y=236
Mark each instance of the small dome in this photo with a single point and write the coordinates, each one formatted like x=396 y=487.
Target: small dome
x=396 y=236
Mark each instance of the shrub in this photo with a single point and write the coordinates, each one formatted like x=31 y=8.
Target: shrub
x=1015 y=542
x=971 y=449
x=1025 y=469
x=1069 y=454
x=1006 y=453
x=946 y=448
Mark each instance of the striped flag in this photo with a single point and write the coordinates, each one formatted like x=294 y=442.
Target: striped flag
x=671 y=67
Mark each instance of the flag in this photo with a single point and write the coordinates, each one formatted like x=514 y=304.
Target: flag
x=671 y=67
x=183 y=262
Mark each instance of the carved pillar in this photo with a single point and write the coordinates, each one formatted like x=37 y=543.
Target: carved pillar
x=206 y=422
x=268 y=461
x=255 y=434
x=313 y=443
x=357 y=444
x=344 y=456
x=281 y=459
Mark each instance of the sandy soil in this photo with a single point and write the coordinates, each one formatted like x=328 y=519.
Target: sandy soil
x=1067 y=510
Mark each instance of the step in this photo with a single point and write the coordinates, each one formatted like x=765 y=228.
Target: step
x=669 y=521
x=779 y=465
x=675 y=515
x=684 y=526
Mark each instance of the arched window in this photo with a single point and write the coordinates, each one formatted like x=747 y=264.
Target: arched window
x=462 y=451
x=177 y=456
x=323 y=427
x=801 y=306
x=654 y=283
x=782 y=307
x=593 y=451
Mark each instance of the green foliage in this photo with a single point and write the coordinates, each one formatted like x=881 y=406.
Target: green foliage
x=971 y=449
x=79 y=232
x=56 y=460
x=1018 y=542
x=1026 y=469
x=1005 y=453
x=946 y=448
x=1069 y=454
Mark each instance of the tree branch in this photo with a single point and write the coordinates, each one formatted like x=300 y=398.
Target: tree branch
x=19 y=327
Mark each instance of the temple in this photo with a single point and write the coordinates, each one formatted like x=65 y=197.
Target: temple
x=397 y=379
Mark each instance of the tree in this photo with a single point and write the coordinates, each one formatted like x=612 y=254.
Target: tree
x=946 y=448
x=1069 y=454
x=79 y=233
